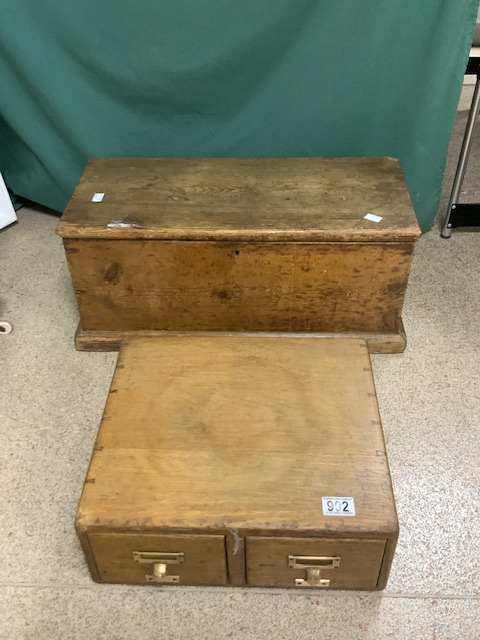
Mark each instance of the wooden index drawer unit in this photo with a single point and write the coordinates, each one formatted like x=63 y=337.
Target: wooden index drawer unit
x=235 y=460
x=240 y=246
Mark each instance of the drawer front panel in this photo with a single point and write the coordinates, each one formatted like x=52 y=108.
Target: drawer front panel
x=314 y=562
x=160 y=559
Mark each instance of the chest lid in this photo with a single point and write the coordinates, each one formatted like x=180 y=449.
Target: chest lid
x=261 y=199
x=250 y=433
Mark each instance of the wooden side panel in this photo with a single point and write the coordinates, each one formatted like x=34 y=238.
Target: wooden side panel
x=88 y=553
x=205 y=559
x=360 y=561
x=207 y=286
x=387 y=560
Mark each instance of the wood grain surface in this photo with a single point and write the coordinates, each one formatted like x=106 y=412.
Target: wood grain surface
x=240 y=434
x=268 y=199
x=156 y=285
x=222 y=448
x=113 y=340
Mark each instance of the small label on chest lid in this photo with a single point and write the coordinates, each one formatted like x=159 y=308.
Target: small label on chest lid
x=337 y=506
x=372 y=217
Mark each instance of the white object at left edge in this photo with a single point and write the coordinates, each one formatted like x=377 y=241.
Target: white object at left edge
x=7 y=212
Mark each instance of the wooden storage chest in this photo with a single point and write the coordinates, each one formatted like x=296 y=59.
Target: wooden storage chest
x=240 y=246
x=240 y=461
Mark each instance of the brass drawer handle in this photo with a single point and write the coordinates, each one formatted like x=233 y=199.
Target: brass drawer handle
x=314 y=565
x=313 y=579
x=160 y=563
x=159 y=575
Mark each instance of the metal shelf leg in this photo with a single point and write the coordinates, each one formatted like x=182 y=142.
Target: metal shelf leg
x=463 y=159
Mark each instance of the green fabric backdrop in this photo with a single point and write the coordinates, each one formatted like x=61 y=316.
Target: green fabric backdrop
x=98 y=78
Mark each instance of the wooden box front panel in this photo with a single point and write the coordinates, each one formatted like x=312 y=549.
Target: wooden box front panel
x=204 y=557
x=268 y=566
x=135 y=285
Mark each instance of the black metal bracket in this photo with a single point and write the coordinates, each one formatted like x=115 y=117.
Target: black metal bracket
x=468 y=214
x=473 y=66
x=464 y=215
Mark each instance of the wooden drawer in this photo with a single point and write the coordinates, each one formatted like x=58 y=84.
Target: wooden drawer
x=240 y=246
x=200 y=560
x=283 y=562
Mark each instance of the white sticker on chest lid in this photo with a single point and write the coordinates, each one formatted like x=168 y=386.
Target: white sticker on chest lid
x=372 y=217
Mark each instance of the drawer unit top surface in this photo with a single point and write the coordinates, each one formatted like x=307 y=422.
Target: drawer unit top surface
x=262 y=199
x=248 y=434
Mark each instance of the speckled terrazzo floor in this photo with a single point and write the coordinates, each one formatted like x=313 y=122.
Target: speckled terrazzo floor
x=51 y=401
